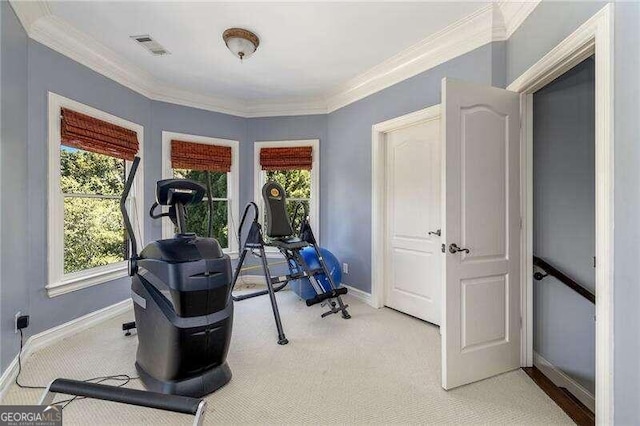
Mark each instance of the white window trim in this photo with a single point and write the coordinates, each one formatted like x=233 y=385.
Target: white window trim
x=233 y=181
x=259 y=180
x=58 y=282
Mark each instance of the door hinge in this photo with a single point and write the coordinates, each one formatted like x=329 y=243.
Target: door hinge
x=520 y=222
x=594 y=261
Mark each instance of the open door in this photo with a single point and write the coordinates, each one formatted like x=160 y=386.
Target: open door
x=481 y=309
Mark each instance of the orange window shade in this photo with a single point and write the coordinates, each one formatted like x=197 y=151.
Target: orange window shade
x=91 y=134
x=198 y=156
x=289 y=158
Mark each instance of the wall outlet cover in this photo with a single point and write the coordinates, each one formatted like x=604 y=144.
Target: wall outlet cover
x=15 y=322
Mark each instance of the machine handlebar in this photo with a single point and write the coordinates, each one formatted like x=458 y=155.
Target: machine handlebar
x=123 y=207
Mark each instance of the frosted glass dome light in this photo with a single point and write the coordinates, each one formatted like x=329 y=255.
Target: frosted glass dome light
x=242 y=43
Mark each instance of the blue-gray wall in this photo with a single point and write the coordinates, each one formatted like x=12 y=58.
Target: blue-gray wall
x=548 y=24
x=50 y=71
x=346 y=164
x=13 y=150
x=346 y=189
x=626 y=290
x=29 y=71
x=564 y=220
x=176 y=118
x=544 y=28
x=280 y=129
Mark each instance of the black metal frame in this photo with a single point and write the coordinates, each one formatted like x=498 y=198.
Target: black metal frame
x=175 y=403
x=255 y=241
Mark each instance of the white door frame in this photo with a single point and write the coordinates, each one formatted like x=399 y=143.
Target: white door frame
x=594 y=36
x=378 y=193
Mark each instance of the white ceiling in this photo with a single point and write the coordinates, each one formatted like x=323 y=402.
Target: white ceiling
x=306 y=49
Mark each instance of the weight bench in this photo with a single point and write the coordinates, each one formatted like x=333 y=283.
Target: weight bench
x=176 y=403
x=281 y=235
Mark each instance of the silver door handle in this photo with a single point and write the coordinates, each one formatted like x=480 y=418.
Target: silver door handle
x=453 y=248
x=438 y=233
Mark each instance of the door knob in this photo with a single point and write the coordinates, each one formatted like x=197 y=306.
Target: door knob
x=438 y=233
x=453 y=248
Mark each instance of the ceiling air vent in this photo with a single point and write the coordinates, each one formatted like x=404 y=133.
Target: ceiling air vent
x=150 y=44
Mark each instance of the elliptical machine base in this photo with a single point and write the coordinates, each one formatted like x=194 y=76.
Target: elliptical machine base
x=196 y=387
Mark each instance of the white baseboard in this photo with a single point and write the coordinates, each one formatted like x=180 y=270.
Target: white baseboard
x=55 y=334
x=562 y=380
x=8 y=377
x=360 y=295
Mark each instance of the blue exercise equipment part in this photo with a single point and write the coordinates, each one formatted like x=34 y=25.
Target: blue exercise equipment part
x=303 y=287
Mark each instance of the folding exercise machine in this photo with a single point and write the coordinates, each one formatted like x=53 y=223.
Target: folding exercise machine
x=281 y=235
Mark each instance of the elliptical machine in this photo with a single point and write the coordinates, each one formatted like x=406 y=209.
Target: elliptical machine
x=181 y=289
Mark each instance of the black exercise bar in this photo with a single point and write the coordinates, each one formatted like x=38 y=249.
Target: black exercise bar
x=160 y=401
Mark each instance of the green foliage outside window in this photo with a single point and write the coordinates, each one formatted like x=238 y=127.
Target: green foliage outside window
x=198 y=214
x=92 y=183
x=93 y=229
x=297 y=186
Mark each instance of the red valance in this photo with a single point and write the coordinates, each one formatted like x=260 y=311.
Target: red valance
x=287 y=158
x=91 y=134
x=199 y=156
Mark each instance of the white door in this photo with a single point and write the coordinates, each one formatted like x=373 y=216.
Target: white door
x=481 y=309
x=413 y=282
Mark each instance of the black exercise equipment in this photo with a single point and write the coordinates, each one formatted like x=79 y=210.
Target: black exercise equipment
x=281 y=235
x=181 y=289
x=175 y=403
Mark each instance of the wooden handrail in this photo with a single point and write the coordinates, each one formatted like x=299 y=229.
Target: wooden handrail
x=564 y=279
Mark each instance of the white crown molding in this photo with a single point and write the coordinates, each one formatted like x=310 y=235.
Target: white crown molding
x=286 y=107
x=493 y=22
x=457 y=39
x=174 y=95
x=64 y=38
x=514 y=13
x=30 y=11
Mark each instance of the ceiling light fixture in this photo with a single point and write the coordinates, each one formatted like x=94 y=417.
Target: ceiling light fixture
x=242 y=43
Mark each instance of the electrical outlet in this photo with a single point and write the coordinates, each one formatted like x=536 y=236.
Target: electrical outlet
x=345 y=268
x=15 y=322
x=22 y=322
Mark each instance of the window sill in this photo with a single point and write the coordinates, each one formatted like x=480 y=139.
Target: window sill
x=88 y=278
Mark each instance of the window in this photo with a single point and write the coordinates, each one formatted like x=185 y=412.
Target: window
x=94 y=233
x=224 y=191
x=87 y=241
x=300 y=185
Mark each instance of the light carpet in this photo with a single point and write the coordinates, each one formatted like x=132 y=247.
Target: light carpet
x=380 y=367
